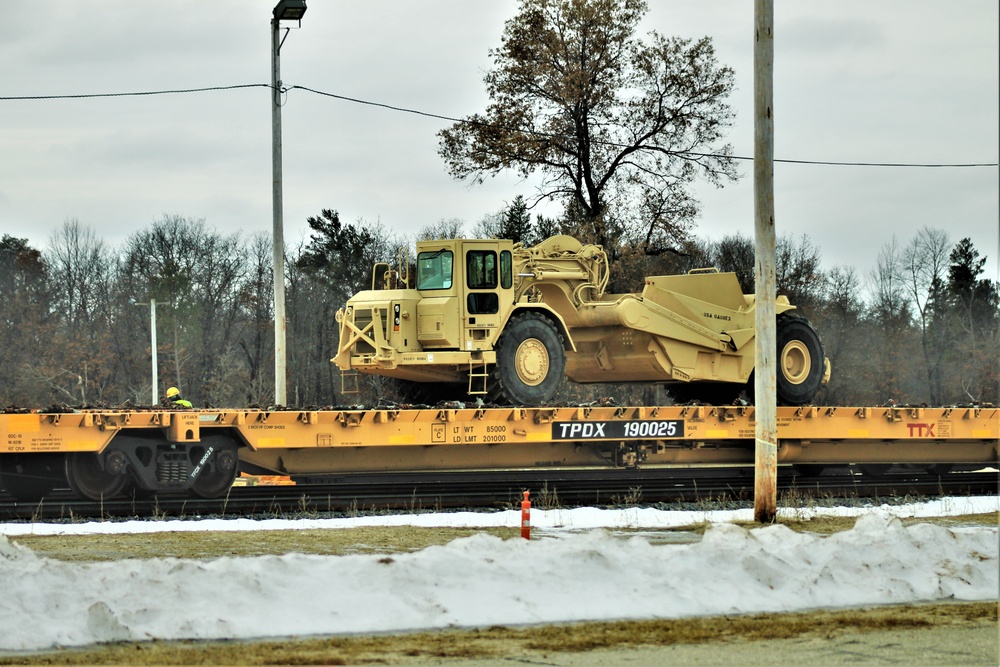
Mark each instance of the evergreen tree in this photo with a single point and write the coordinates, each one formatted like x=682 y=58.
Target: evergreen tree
x=974 y=310
x=341 y=255
x=516 y=224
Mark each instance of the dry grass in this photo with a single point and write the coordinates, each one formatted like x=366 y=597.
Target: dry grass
x=343 y=541
x=199 y=544
x=519 y=644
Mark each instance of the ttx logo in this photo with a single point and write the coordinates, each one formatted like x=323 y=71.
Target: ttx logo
x=921 y=430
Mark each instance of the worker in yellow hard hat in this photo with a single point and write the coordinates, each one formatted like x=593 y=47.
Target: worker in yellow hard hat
x=174 y=398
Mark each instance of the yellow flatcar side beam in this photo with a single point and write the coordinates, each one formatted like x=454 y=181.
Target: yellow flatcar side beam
x=292 y=441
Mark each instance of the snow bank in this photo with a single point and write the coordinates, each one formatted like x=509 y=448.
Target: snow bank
x=483 y=580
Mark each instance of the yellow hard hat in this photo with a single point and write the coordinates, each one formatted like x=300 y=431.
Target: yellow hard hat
x=173 y=391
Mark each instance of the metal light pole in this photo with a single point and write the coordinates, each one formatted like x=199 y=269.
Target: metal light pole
x=285 y=10
x=152 y=344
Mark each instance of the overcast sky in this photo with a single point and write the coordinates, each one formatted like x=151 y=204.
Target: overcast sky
x=912 y=81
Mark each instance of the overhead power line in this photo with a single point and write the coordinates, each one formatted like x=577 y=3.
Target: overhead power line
x=426 y=114
x=859 y=164
x=732 y=157
x=377 y=104
x=81 y=96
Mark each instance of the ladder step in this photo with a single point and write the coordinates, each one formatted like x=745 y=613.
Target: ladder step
x=478 y=371
x=349 y=383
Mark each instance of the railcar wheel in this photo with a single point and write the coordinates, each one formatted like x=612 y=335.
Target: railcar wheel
x=531 y=361
x=801 y=363
x=88 y=479
x=220 y=470
x=30 y=477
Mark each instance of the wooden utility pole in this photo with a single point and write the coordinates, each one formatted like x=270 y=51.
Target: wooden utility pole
x=765 y=498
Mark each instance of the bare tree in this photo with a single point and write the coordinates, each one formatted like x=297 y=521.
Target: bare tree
x=891 y=317
x=736 y=253
x=847 y=337
x=799 y=275
x=76 y=260
x=450 y=228
x=197 y=272
x=78 y=272
x=489 y=226
x=25 y=334
x=255 y=334
x=923 y=265
x=617 y=128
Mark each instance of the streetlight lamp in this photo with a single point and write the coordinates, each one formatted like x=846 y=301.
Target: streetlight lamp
x=285 y=10
x=152 y=344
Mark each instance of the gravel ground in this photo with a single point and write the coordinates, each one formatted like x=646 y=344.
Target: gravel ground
x=934 y=634
x=973 y=644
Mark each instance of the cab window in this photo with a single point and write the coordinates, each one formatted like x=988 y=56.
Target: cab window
x=506 y=269
x=481 y=266
x=481 y=274
x=434 y=270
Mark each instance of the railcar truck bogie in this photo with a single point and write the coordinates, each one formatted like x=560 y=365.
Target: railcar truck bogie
x=105 y=455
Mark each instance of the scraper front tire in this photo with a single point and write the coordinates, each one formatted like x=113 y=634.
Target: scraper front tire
x=531 y=362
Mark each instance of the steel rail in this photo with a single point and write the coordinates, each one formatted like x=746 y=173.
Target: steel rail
x=356 y=493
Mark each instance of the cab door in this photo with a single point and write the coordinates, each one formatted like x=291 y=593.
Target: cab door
x=489 y=292
x=439 y=281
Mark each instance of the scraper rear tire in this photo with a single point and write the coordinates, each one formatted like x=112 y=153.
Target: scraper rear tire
x=801 y=363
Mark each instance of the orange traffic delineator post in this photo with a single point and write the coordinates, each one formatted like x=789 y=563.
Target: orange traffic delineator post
x=526 y=517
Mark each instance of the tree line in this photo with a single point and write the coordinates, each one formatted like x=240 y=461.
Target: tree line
x=921 y=327
x=617 y=126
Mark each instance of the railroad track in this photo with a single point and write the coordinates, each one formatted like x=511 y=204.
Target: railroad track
x=413 y=491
